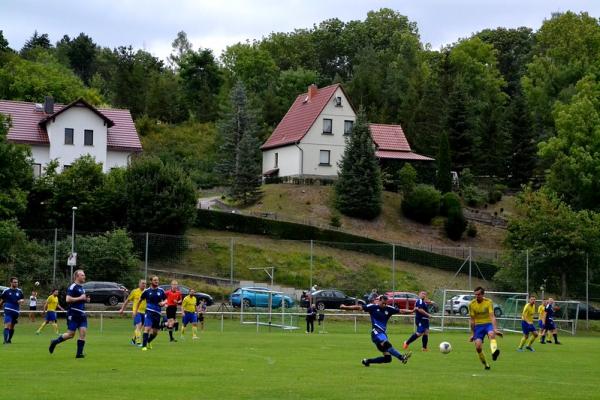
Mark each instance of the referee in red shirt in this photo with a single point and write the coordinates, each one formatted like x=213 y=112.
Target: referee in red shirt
x=174 y=298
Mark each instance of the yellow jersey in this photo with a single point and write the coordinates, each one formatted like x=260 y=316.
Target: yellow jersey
x=480 y=312
x=189 y=303
x=541 y=312
x=528 y=313
x=51 y=303
x=135 y=296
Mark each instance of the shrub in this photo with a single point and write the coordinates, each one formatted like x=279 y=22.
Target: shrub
x=422 y=204
x=455 y=224
x=407 y=178
x=335 y=221
x=473 y=196
x=494 y=196
x=472 y=230
x=449 y=201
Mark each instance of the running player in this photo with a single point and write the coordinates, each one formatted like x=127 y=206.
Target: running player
x=527 y=325
x=155 y=298
x=541 y=317
x=173 y=300
x=201 y=311
x=76 y=317
x=138 y=317
x=380 y=313
x=483 y=323
x=50 y=308
x=188 y=309
x=11 y=298
x=549 y=325
x=422 y=316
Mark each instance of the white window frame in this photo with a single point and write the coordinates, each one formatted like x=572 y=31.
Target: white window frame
x=346 y=131
x=323 y=152
x=330 y=131
x=276 y=160
x=85 y=133
x=37 y=170
x=72 y=131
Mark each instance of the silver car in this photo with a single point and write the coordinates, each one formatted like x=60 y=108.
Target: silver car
x=460 y=305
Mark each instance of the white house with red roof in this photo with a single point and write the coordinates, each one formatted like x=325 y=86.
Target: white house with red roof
x=310 y=139
x=67 y=132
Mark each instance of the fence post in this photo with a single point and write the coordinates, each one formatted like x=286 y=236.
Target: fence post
x=54 y=265
x=146 y=259
x=393 y=268
x=231 y=263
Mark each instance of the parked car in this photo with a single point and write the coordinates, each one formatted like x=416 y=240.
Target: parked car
x=3 y=288
x=329 y=298
x=460 y=305
x=407 y=300
x=258 y=297
x=109 y=293
x=198 y=295
x=593 y=312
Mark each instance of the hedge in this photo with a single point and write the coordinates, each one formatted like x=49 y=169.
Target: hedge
x=223 y=221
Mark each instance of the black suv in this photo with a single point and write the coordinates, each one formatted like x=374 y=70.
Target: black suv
x=198 y=295
x=329 y=298
x=109 y=293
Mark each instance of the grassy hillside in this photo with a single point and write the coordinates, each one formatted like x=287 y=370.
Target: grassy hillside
x=314 y=204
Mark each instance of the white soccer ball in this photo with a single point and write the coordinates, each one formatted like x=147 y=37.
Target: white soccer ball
x=445 y=347
x=37 y=283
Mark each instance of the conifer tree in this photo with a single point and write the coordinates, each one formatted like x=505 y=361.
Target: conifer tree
x=444 y=177
x=358 y=189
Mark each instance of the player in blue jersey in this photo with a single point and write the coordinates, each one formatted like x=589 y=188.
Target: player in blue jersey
x=11 y=298
x=155 y=298
x=380 y=313
x=549 y=325
x=422 y=316
x=76 y=317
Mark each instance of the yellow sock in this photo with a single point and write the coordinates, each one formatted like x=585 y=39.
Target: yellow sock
x=182 y=330
x=41 y=327
x=522 y=342
x=531 y=340
x=55 y=326
x=194 y=330
x=482 y=358
x=493 y=345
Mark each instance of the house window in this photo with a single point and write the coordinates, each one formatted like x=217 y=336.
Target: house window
x=68 y=135
x=37 y=170
x=324 y=157
x=66 y=167
x=338 y=101
x=88 y=137
x=327 y=126
x=348 y=127
x=276 y=160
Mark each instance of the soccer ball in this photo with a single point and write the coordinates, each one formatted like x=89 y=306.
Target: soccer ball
x=445 y=347
x=37 y=283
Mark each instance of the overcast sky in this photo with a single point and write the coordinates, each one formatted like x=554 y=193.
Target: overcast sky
x=153 y=24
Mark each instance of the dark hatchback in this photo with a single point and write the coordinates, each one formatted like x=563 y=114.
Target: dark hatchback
x=109 y=293
x=185 y=290
x=329 y=299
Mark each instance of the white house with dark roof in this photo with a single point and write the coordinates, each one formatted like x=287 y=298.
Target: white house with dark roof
x=310 y=139
x=67 y=132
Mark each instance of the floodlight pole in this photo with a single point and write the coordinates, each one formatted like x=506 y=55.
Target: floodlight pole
x=73 y=209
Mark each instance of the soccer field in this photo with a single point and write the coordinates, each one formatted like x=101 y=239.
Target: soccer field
x=240 y=363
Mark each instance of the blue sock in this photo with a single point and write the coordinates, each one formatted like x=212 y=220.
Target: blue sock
x=425 y=339
x=6 y=334
x=145 y=339
x=379 y=360
x=412 y=338
x=80 y=344
x=11 y=332
x=395 y=353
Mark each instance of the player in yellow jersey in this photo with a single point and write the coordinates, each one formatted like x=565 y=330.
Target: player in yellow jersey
x=188 y=309
x=138 y=317
x=483 y=323
x=527 y=325
x=541 y=317
x=50 y=308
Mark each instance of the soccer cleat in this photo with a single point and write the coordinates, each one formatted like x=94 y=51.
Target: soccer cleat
x=405 y=346
x=149 y=346
x=520 y=350
x=425 y=349
x=499 y=333
x=195 y=337
x=172 y=340
x=487 y=366
x=557 y=342
x=406 y=356
x=529 y=348
x=79 y=356
x=133 y=342
x=365 y=362
x=548 y=341
x=37 y=332
x=51 y=347
x=495 y=354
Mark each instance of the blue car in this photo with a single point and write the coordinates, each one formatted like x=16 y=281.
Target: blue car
x=258 y=297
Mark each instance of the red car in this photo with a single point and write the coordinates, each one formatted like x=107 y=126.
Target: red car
x=407 y=300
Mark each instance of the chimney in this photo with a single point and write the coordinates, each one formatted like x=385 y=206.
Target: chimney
x=49 y=105
x=312 y=91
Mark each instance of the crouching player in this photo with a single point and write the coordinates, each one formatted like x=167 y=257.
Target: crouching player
x=527 y=325
x=483 y=323
x=188 y=309
x=380 y=313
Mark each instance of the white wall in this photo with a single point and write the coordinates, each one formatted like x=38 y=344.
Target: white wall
x=40 y=155
x=289 y=160
x=78 y=118
x=116 y=159
x=315 y=140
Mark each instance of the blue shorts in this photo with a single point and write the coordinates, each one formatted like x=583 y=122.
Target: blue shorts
x=11 y=317
x=527 y=328
x=152 y=320
x=540 y=324
x=76 y=321
x=482 y=330
x=138 y=319
x=422 y=326
x=550 y=325
x=50 y=316
x=189 y=318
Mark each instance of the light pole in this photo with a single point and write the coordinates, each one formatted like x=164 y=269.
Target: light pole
x=72 y=237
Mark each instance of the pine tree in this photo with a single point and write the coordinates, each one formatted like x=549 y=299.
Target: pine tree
x=246 y=184
x=444 y=177
x=459 y=134
x=358 y=189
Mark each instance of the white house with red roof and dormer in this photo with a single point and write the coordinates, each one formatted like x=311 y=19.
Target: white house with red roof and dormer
x=311 y=138
x=67 y=132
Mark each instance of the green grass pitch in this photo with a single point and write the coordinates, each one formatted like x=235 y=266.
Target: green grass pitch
x=241 y=363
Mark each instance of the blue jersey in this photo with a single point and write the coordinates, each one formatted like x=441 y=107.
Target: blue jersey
x=380 y=316
x=76 y=290
x=153 y=297
x=421 y=304
x=549 y=312
x=11 y=299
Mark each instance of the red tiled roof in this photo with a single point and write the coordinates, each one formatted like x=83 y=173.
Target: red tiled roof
x=401 y=155
x=25 y=125
x=299 y=118
x=389 y=137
